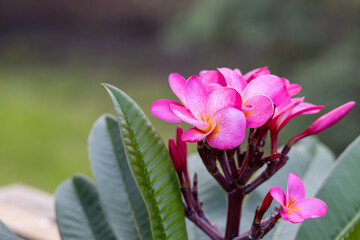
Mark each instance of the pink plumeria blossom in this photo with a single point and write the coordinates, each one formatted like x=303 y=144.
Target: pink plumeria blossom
x=259 y=95
x=295 y=206
x=216 y=114
x=324 y=122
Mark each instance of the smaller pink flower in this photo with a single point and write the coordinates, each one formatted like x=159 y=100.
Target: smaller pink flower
x=324 y=122
x=295 y=206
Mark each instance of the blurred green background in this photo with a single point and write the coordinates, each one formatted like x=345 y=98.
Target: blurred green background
x=55 y=54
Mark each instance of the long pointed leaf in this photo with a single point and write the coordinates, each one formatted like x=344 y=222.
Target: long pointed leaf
x=151 y=166
x=79 y=212
x=341 y=192
x=122 y=202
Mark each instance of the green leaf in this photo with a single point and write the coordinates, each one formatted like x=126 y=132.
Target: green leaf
x=341 y=192
x=121 y=199
x=4 y=228
x=354 y=233
x=6 y=233
x=79 y=212
x=151 y=167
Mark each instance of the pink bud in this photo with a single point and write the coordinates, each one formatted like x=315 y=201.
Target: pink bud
x=178 y=151
x=324 y=122
x=181 y=144
x=174 y=154
x=266 y=202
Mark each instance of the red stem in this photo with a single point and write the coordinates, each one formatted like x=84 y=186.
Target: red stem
x=235 y=200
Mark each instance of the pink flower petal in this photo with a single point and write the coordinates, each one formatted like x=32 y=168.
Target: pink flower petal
x=310 y=207
x=302 y=108
x=209 y=77
x=212 y=86
x=255 y=73
x=279 y=196
x=230 y=129
x=233 y=79
x=291 y=216
x=295 y=189
x=268 y=85
x=195 y=135
x=262 y=110
x=293 y=89
x=306 y=108
x=222 y=98
x=177 y=85
x=161 y=110
x=195 y=95
x=185 y=115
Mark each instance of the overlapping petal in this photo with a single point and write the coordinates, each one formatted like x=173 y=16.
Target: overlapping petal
x=256 y=73
x=295 y=189
x=310 y=207
x=177 y=84
x=222 y=98
x=233 y=79
x=291 y=216
x=161 y=109
x=279 y=196
x=195 y=135
x=185 y=115
x=268 y=85
x=195 y=95
x=230 y=129
x=262 y=109
x=211 y=77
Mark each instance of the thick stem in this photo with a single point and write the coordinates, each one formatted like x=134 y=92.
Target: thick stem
x=235 y=200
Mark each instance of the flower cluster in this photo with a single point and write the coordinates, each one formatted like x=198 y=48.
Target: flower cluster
x=221 y=104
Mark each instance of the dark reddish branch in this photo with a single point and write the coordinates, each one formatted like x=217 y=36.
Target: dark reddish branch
x=195 y=213
x=235 y=201
x=260 y=228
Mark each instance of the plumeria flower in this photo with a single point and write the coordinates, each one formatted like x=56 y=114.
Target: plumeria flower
x=216 y=115
x=295 y=206
x=259 y=95
x=324 y=122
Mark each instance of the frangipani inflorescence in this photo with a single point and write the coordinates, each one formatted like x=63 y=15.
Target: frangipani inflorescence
x=220 y=105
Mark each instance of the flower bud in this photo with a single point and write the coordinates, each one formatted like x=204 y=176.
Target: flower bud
x=324 y=122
